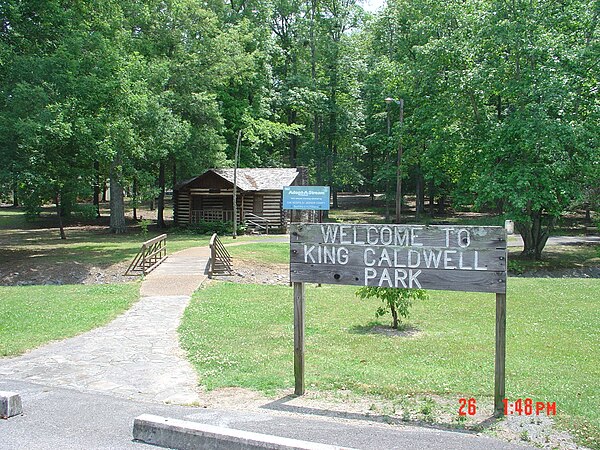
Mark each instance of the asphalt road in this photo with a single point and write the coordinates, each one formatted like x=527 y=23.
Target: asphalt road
x=58 y=418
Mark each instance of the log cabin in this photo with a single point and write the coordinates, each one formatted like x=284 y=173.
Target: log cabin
x=209 y=197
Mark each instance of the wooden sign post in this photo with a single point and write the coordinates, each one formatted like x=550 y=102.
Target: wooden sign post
x=456 y=258
x=299 y=313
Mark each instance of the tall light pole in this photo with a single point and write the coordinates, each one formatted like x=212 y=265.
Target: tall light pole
x=235 y=166
x=400 y=103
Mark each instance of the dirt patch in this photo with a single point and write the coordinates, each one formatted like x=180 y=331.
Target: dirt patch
x=252 y=272
x=539 y=431
x=389 y=331
x=584 y=272
x=32 y=271
x=423 y=410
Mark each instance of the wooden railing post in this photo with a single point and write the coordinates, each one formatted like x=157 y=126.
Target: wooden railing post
x=211 y=263
x=144 y=259
x=151 y=254
x=220 y=259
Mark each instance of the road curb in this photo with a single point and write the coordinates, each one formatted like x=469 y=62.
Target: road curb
x=10 y=404
x=183 y=435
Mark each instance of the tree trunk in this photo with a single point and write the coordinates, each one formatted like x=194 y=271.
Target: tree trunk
x=372 y=178
x=293 y=140
x=96 y=200
x=588 y=215
x=160 y=216
x=59 y=215
x=387 y=201
x=420 y=191
x=117 y=201
x=399 y=166
x=399 y=186
x=334 y=197
x=442 y=204
x=534 y=235
x=394 y=317
x=174 y=175
x=135 y=198
x=15 y=196
x=104 y=189
x=500 y=206
x=431 y=198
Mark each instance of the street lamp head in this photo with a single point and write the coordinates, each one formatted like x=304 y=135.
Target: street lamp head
x=390 y=100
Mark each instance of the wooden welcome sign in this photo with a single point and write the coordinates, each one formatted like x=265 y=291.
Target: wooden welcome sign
x=442 y=257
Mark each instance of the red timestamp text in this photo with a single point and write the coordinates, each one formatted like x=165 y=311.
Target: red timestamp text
x=467 y=407
x=521 y=407
x=527 y=407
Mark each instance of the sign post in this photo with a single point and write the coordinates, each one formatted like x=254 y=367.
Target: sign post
x=299 y=313
x=302 y=198
x=499 y=373
x=444 y=257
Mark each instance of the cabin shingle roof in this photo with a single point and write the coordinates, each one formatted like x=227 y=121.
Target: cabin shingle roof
x=262 y=179
x=259 y=179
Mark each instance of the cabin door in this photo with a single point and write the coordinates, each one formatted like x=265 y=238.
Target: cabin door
x=258 y=205
x=196 y=202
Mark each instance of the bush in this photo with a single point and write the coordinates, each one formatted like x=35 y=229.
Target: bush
x=516 y=267
x=84 y=211
x=396 y=301
x=144 y=224
x=203 y=227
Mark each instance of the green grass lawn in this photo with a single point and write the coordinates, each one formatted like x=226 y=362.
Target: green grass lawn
x=91 y=245
x=34 y=315
x=242 y=335
x=267 y=252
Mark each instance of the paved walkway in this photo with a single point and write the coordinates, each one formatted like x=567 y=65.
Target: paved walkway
x=137 y=355
x=515 y=240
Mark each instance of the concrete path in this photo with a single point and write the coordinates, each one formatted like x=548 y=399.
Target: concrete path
x=180 y=274
x=516 y=240
x=137 y=355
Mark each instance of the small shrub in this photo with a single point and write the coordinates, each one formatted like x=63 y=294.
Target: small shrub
x=516 y=267
x=396 y=301
x=84 y=211
x=221 y=228
x=144 y=224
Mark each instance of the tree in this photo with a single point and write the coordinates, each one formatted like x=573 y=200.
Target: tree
x=534 y=73
x=395 y=300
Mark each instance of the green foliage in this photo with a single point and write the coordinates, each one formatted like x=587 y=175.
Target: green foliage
x=516 y=267
x=203 y=227
x=396 y=301
x=144 y=224
x=500 y=108
x=84 y=211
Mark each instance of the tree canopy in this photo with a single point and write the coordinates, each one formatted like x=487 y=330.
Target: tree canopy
x=500 y=99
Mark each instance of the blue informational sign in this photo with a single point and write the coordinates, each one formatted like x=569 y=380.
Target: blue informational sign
x=306 y=197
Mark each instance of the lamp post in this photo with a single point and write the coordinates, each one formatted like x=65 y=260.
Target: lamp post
x=400 y=103
x=235 y=166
